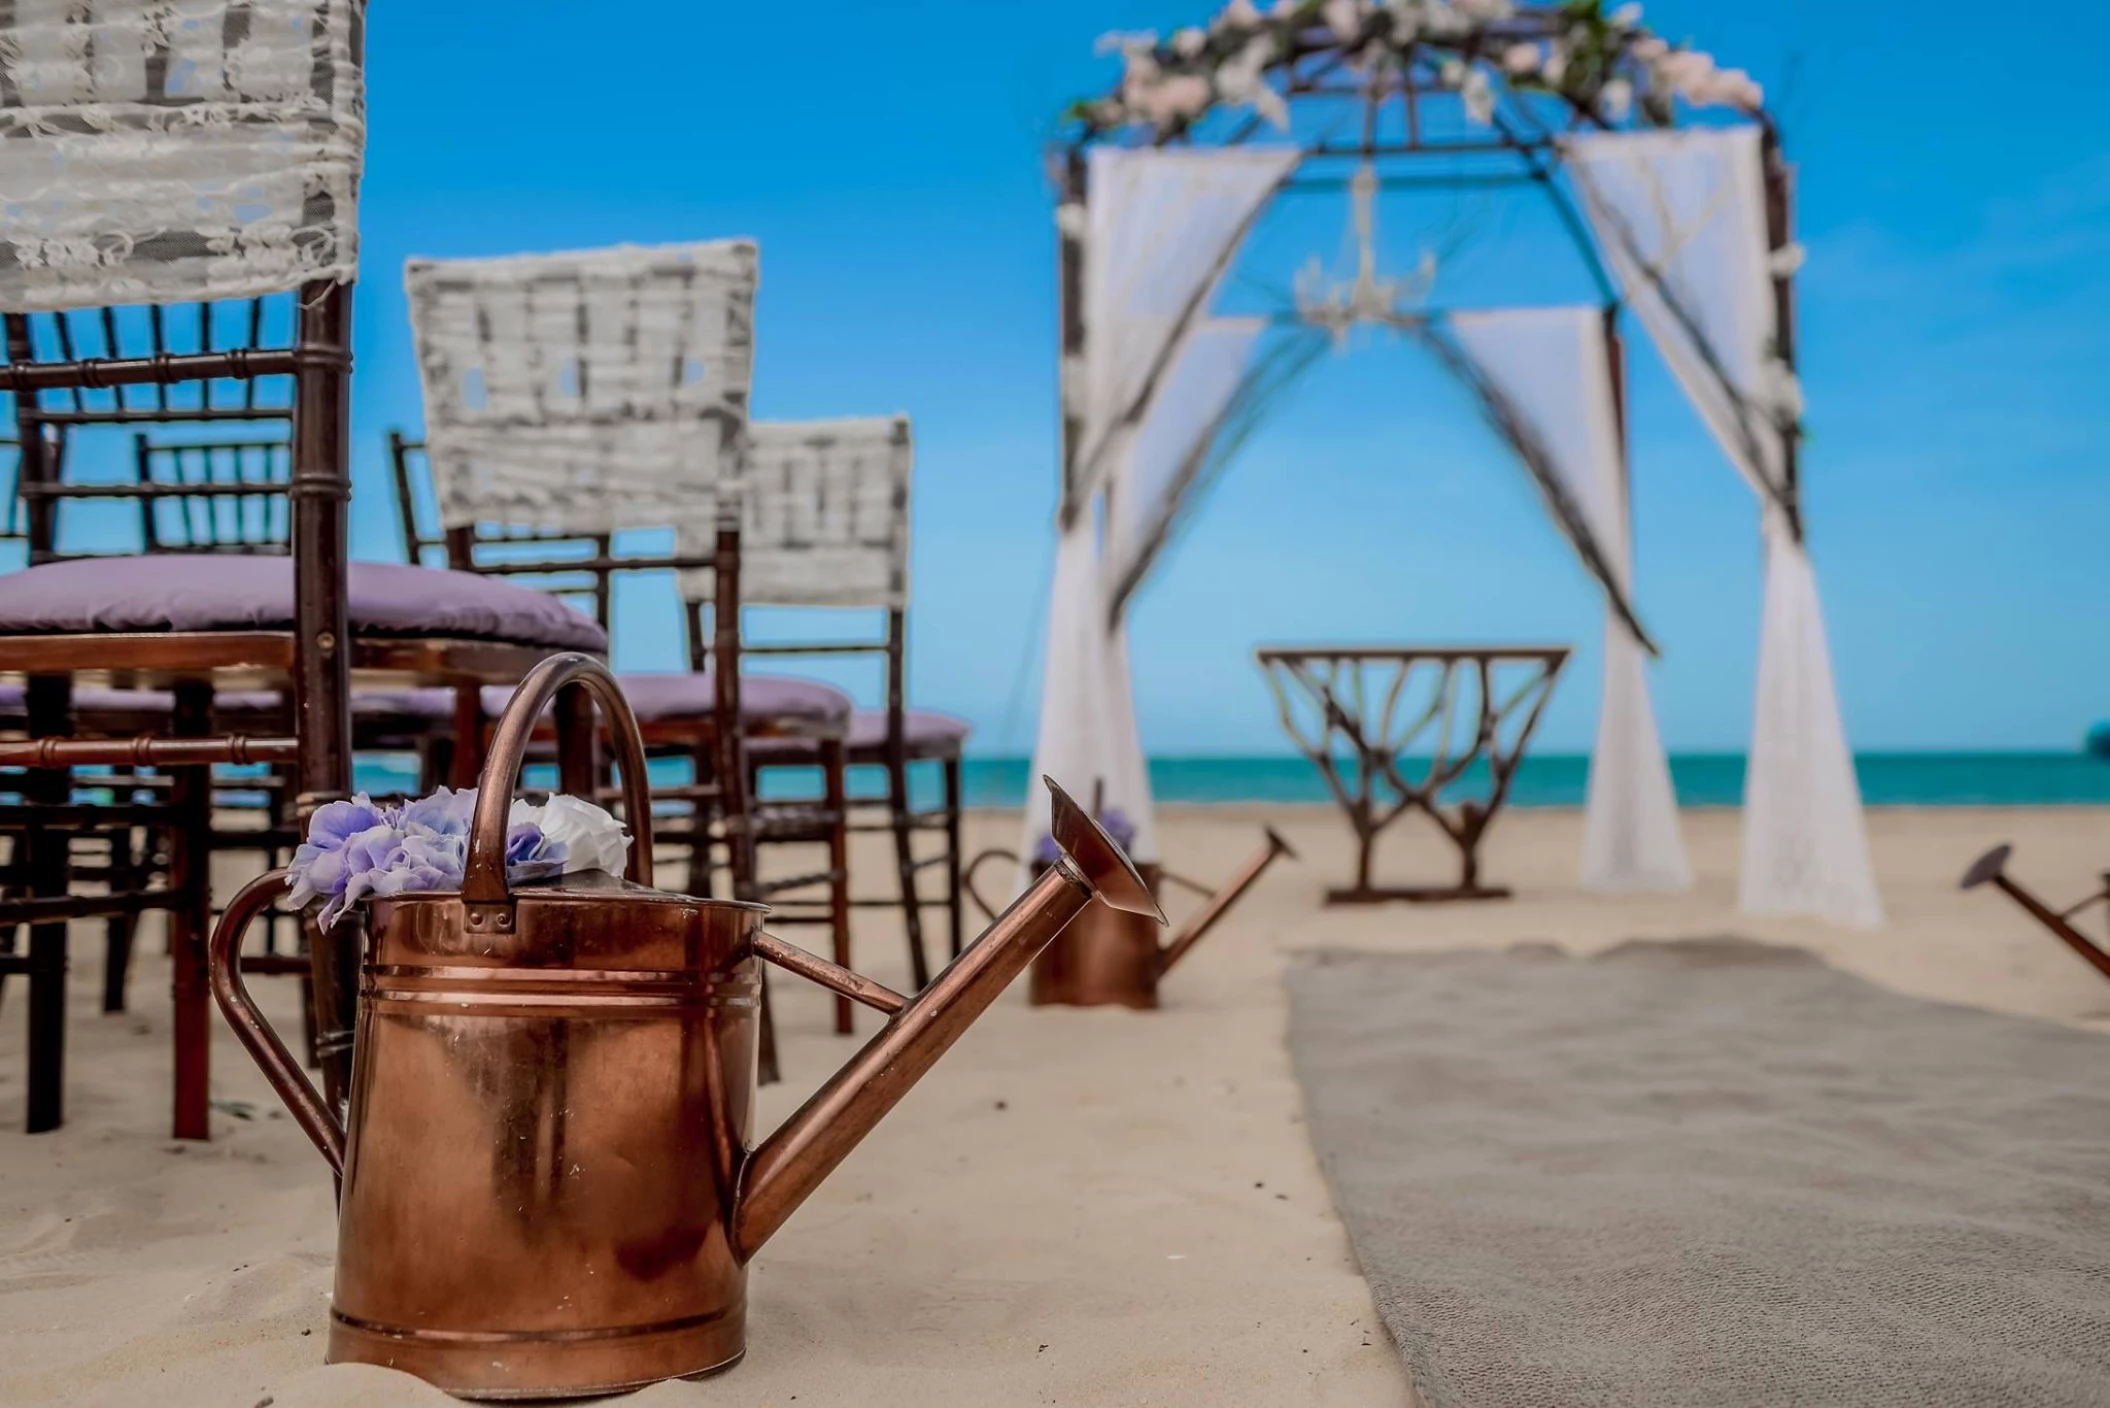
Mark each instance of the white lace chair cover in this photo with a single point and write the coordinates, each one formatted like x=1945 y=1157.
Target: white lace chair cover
x=824 y=515
x=163 y=151
x=586 y=392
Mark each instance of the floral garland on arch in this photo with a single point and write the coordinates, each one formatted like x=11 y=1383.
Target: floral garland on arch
x=1605 y=64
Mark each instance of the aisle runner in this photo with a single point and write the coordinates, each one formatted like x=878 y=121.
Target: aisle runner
x=1710 y=1172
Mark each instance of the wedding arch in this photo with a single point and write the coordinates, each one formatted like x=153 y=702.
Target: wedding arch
x=1667 y=176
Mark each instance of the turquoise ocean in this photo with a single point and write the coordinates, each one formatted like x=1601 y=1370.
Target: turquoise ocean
x=1553 y=780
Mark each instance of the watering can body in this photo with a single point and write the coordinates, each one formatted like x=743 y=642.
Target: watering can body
x=544 y=1138
x=1105 y=957
x=549 y=1186
x=1110 y=955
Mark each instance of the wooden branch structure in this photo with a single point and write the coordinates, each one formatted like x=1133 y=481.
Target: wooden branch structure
x=1369 y=716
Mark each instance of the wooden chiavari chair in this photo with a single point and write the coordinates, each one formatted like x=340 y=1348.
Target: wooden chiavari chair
x=238 y=222
x=824 y=514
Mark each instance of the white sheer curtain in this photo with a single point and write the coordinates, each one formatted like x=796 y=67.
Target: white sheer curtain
x=1160 y=230
x=1553 y=366
x=1073 y=746
x=1146 y=486
x=1681 y=217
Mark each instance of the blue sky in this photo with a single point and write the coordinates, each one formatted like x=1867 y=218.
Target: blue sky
x=1955 y=199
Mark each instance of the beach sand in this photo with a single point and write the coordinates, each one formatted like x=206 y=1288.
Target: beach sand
x=1089 y=1207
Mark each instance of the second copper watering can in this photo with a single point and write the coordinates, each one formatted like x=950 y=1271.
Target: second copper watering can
x=548 y=1188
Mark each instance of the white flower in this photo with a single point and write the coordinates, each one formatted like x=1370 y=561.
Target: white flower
x=1781 y=387
x=1685 y=71
x=1271 y=105
x=1556 y=66
x=1344 y=18
x=1786 y=262
x=1189 y=41
x=1730 y=87
x=1444 y=22
x=1617 y=96
x=1452 y=74
x=1073 y=392
x=1521 y=59
x=1406 y=19
x=1484 y=10
x=1070 y=218
x=1239 y=14
x=1479 y=96
x=1649 y=48
x=591 y=837
x=1626 y=16
x=1185 y=95
x=1239 y=79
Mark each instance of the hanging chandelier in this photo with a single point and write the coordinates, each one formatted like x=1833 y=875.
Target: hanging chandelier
x=1339 y=305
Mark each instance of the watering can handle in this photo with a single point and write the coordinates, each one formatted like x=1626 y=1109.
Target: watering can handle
x=967 y=878
x=484 y=877
x=223 y=962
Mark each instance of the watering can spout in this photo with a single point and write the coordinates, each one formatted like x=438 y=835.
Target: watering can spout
x=792 y=1162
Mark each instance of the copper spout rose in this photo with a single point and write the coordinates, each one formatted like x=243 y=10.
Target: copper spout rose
x=549 y=1188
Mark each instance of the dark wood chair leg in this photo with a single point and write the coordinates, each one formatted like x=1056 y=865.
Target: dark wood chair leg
x=955 y=924
x=119 y=930
x=835 y=794
x=190 y=876
x=47 y=857
x=701 y=814
x=905 y=866
x=464 y=757
x=578 y=752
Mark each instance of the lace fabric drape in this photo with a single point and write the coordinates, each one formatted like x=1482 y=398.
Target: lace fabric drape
x=164 y=151
x=590 y=391
x=824 y=515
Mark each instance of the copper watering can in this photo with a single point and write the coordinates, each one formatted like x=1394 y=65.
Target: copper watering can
x=1111 y=955
x=547 y=1184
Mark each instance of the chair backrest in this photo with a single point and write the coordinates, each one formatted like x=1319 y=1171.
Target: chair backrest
x=589 y=391
x=11 y=528
x=823 y=509
x=157 y=153
x=225 y=496
x=823 y=514
x=577 y=567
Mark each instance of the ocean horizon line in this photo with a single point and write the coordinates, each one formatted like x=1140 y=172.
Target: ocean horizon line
x=1925 y=778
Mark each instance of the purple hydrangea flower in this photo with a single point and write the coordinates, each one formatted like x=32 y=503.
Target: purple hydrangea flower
x=319 y=867
x=530 y=855
x=356 y=850
x=445 y=813
x=398 y=865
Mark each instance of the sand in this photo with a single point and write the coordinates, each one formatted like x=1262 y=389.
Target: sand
x=1076 y=1207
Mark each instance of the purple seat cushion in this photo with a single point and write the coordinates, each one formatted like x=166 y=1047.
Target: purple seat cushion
x=182 y=593
x=924 y=735
x=764 y=700
x=919 y=727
